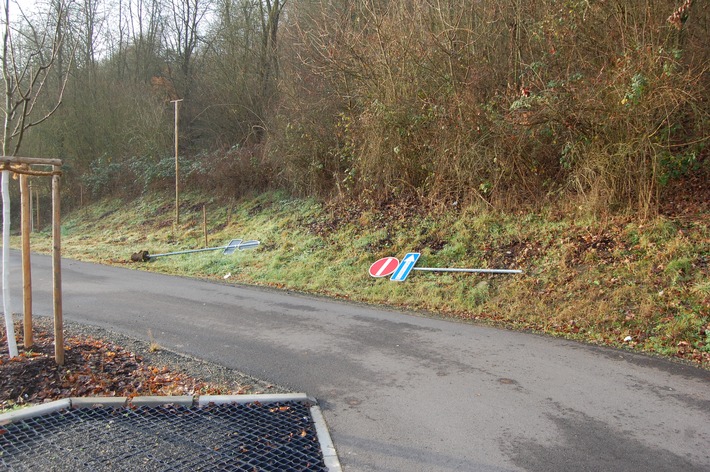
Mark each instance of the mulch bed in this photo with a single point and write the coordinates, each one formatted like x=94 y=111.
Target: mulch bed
x=92 y=367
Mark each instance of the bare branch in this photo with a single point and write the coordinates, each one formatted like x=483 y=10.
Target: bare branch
x=26 y=78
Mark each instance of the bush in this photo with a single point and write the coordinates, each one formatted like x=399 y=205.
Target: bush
x=600 y=103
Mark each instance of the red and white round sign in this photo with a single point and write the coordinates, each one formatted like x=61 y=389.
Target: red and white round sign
x=384 y=267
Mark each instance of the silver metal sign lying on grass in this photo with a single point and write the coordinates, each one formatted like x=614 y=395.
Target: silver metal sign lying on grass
x=234 y=245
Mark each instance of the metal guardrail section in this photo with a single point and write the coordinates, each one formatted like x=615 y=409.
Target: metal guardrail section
x=274 y=436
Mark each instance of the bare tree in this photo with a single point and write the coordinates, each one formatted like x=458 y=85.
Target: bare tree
x=29 y=57
x=141 y=27
x=91 y=24
x=270 y=17
x=186 y=19
x=27 y=66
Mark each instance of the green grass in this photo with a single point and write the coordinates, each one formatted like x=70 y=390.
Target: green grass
x=588 y=280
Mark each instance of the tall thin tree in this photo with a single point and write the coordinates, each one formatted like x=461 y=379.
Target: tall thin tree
x=27 y=66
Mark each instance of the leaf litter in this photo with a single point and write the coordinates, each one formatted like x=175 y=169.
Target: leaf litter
x=92 y=367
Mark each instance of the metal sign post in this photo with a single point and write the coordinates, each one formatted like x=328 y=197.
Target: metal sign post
x=234 y=244
x=478 y=271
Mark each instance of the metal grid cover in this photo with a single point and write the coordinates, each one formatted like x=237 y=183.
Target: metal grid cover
x=251 y=437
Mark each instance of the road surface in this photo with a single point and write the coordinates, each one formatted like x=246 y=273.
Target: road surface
x=401 y=392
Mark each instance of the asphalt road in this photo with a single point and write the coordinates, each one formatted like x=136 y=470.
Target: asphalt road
x=401 y=392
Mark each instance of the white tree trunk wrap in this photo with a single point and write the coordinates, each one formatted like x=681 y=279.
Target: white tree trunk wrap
x=9 y=324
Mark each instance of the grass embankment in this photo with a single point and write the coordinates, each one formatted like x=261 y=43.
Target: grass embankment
x=600 y=282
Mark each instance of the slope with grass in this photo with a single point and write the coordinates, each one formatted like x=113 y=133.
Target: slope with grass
x=616 y=281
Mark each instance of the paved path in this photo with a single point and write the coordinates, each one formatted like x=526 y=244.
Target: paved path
x=407 y=393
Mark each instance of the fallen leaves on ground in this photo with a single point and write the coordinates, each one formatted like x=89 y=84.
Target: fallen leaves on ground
x=92 y=367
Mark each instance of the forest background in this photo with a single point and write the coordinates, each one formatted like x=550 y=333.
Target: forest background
x=522 y=102
x=568 y=136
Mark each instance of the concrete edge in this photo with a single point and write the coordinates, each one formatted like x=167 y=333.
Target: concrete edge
x=98 y=402
x=148 y=401
x=205 y=400
x=35 y=411
x=155 y=401
x=330 y=455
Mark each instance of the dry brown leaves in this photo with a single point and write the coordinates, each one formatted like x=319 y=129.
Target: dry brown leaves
x=91 y=367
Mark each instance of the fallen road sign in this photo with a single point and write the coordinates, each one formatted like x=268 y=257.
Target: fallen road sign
x=405 y=267
x=400 y=270
x=233 y=245
x=384 y=267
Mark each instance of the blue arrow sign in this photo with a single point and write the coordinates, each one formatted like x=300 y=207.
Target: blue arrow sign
x=405 y=267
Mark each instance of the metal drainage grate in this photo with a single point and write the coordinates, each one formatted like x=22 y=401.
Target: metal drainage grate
x=278 y=436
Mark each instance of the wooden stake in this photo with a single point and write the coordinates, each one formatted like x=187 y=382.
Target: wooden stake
x=177 y=167
x=37 y=197
x=26 y=218
x=26 y=221
x=57 y=272
x=204 y=222
x=32 y=210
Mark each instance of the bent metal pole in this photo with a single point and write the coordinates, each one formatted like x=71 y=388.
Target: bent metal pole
x=478 y=271
x=233 y=245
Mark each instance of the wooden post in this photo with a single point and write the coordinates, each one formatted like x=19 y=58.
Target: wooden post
x=26 y=218
x=37 y=197
x=177 y=167
x=32 y=211
x=204 y=222
x=57 y=272
x=21 y=168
